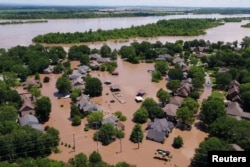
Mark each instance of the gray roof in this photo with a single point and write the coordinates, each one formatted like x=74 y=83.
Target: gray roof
x=111 y=119
x=94 y=56
x=234 y=109
x=84 y=103
x=161 y=125
x=83 y=69
x=30 y=120
x=155 y=135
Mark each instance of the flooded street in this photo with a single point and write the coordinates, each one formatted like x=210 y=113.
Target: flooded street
x=131 y=78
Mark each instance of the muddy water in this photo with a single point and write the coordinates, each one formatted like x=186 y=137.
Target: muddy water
x=11 y=36
x=131 y=78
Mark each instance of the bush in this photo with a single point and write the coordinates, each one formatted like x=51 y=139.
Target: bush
x=123 y=118
x=46 y=79
x=76 y=121
x=112 y=101
x=178 y=142
x=156 y=76
x=86 y=128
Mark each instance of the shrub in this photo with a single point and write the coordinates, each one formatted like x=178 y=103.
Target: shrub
x=123 y=118
x=178 y=142
x=76 y=120
x=46 y=79
x=86 y=128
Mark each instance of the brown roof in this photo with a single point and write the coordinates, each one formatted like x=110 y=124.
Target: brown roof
x=184 y=90
x=234 y=109
x=27 y=106
x=233 y=89
x=177 y=100
x=170 y=109
x=235 y=83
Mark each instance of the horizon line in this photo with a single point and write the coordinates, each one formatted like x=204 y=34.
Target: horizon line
x=54 y=5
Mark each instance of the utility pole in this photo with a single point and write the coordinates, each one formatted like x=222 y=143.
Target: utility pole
x=74 y=142
x=120 y=144
x=138 y=141
x=97 y=138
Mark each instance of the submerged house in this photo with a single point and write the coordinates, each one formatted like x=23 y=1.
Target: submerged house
x=234 y=110
x=164 y=57
x=158 y=129
x=29 y=83
x=32 y=121
x=48 y=70
x=177 y=100
x=85 y=105
x=184 y=90
x=170 y=111
x=83 y=69
x=27 y=107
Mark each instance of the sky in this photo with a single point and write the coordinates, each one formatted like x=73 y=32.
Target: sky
x=178 y=3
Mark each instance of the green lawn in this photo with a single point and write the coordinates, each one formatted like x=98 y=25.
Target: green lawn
x=218 y=94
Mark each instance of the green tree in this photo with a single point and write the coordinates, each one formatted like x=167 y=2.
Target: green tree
x=163 y=96
x=141 y=115
x=63 y=84
x=93 y=87
x=74 y=111
x=212 y=144
x=212 y=109
x=175 y=73
x=185 y=115
x=191 y=104
x=245 y=42
x=223 y=80
x=105 y=51
x=84 y=59
x=106 y=134
x=35 y=91
x=80 y=160
x=173 y=85
x=76 y=120
x=156 y=76
x=95 y=117
x=123 y=164
x=8 y=113
x=127 y=51
x=95 y=157
x=10 y=78
x=152 y=107
x=161 y=66
x=43 y=108
x=136 y=134
x=178 y=142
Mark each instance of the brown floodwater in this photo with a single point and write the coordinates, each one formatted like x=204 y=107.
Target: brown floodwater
x=131 y=78
x=22 y=34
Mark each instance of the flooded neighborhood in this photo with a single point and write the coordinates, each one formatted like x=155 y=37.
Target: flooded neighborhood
x=202 y=61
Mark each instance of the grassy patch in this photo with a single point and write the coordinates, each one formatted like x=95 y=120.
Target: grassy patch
x=218 y=94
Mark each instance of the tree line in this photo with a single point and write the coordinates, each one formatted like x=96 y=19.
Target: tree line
x=174 y=27
x=79 y=160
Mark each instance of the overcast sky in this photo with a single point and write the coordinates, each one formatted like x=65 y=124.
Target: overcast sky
x=181 y=3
